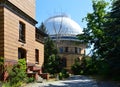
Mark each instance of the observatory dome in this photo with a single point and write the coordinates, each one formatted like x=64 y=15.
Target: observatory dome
x=63 y=25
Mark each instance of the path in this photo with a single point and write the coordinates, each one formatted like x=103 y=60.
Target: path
x=74 y=81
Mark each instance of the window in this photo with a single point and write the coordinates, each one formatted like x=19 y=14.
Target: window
x=36 y=56
x=61 y=49
x=79 y=50
x=21 y=53
x=76 y=51
x=66 y=49
x=64 y=62
x=21 y=32
x=38 y=36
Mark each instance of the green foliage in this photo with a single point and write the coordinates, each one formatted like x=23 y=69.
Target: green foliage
x=96 y=67
x=94 y=33
x=43 y=28
x=63 y=74
x=1 y=67
x=60 y=76
x=54 y=64
x=6 y=84
x=103 y=68
x=49 y=50
x=89 y=66
x=112 y=29
x=30 y=79
x=51 y=59
x=18 y=75
x=76 y=67
x=103 y=31
x=1 y=60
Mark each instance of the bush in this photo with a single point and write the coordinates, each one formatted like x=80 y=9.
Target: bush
x=76 y=67
x=6 y=84
x=1 y=67
x=30 y=79
x=60 y=76
x=18 y=75
x=65 y=73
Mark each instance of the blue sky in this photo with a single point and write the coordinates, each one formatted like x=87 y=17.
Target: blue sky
x=76 y=9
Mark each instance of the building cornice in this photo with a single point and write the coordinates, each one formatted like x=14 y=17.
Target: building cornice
x=17 y=11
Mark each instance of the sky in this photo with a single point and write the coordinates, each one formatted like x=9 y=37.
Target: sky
x=76 y=9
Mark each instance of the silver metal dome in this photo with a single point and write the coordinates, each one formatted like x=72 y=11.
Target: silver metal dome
x=62 y=27
x=62 y=24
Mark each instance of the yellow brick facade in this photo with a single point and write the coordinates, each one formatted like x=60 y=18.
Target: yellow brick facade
x=27 y=6
x=70 y=56
x=14 y=12
x=1 y=31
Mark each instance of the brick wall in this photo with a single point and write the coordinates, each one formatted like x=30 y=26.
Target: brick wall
x=28 y=6
x=40 y=47
x=1 y=32
x=11 y=37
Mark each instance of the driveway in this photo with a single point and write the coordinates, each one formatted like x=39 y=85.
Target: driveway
x=73 y=81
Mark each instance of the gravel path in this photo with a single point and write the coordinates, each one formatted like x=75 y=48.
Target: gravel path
x=74 y=81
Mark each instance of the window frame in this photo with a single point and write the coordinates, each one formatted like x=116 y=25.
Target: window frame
x=36 y=56
x=66 y=49
x=21 y=52
x=22 y=34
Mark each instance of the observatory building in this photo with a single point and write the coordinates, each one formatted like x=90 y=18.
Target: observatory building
x=63 y=30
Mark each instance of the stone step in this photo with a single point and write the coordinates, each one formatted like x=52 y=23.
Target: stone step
x=40 y=79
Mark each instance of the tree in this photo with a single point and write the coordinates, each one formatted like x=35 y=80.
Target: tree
x=112 y=29
x=42 y=28
x=94 y=33
x=76 y=67
x=49 y=50
x=52 y=61
x=103 y=31
x=54 y=65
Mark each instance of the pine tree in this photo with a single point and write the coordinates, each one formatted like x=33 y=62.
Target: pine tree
x=43 y=28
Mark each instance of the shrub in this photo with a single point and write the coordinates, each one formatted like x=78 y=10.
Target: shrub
x=6 y=84
x=60 y=76
x=18 y=75
x=65 y=73
x=1 y=67
x=76 y=67
x=30 y=79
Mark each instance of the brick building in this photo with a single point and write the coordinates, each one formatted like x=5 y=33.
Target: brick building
x=19 y=38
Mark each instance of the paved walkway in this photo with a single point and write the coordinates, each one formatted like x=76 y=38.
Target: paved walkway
x=74 y=81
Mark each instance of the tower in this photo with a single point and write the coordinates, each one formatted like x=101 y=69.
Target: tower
x=63 y=31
